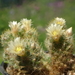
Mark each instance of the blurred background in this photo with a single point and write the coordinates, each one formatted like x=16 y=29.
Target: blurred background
x=40 y=11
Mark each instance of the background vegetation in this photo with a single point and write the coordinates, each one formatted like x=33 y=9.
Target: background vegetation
x=40 y=11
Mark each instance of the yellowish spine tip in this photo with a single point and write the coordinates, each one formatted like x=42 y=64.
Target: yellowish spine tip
x=33 y=45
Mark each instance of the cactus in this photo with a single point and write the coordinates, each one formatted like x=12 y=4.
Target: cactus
x=59 y=42
x=25 y=56
x=21 y=47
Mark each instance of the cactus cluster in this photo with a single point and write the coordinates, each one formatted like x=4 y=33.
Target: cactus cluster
x=25 y=56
